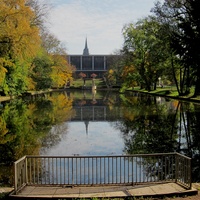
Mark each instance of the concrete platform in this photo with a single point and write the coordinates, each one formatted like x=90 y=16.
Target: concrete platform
x=152 y=190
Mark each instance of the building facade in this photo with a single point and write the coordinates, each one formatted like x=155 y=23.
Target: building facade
x=90 y=64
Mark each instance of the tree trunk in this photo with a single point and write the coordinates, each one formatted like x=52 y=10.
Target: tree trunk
x=197 y=87
x=174 y=74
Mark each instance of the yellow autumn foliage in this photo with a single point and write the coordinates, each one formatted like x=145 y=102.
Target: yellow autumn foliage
x=61 y=71
x=3 y=131
x=62 y=104
x=3 y=71
x=19 y=44
x=15 y=25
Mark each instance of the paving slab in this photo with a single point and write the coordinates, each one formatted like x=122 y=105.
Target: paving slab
x=103 y=191
x=43 y=191
x=141 y=191
x=64 y=191
x=91 y=195
x=27 y=191
x=6 y=189
x=164 y=189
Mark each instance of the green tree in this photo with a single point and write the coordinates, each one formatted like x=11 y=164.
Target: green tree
x=143 y=43
x=183 y=18
x=41 y=72
x=113 y=75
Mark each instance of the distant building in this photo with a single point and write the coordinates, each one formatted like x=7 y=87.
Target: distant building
x=89 y=64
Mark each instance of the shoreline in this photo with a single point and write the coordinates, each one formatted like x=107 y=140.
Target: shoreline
x=187 y=99
x=33 y=93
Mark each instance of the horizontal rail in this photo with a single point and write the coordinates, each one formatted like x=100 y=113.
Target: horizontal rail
x=129 y=155
x=103 y=170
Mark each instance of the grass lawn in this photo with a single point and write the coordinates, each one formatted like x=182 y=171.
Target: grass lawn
x=78 y=83
x=170 y=91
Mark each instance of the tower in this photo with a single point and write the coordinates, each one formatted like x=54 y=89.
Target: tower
x=86 y=50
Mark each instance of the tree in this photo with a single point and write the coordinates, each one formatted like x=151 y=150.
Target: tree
x=41 y=10
x=19 y=42
x=147 y=49
x=129 y=76
x=29 y=56
x=83 y=76
x=41 y=72
x=62 y=71
x=113 y=75
x=183 y=18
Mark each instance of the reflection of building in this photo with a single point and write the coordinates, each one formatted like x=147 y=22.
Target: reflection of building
x=94 y=113
x=98 y=112
x=89 y=64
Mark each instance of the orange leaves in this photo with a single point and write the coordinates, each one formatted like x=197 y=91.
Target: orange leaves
x=21 y=42
x=15 y=24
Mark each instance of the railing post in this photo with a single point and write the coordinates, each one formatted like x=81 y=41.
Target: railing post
x=176 y=168
x=26 y=171
x=190 y=173
x=15 y=174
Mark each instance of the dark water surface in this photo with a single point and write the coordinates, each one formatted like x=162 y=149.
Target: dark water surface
x=100 y=123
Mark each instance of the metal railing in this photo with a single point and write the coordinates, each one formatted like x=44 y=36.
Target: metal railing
x=20 y=173
x=183 y=171
x=103 y=170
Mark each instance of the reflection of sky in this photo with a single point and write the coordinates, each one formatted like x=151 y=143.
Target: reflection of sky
x=101 y=139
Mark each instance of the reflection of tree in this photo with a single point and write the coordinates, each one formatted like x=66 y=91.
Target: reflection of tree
x=189 y=132
x=53 y=137
x=82 y=102
x=195 y=132
x=19 y=140
x=24 y=125
x=149 y=127
x=146 y=127
x=159 y=168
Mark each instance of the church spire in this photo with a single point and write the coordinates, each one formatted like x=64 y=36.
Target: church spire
x=86 y=50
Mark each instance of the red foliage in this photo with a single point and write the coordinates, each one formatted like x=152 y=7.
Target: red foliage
x=82 y=75
x=93 y=75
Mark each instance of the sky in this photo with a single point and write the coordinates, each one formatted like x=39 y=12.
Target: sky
x=100 y=21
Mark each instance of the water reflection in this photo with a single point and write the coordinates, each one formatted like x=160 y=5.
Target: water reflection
x=101 y=123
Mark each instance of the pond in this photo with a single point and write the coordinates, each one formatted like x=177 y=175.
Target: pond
x=97 y=123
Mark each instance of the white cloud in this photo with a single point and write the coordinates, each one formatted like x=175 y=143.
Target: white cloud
x=100 y=20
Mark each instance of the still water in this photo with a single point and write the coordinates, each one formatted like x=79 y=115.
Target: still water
x=99 y=139
x=98 y=123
